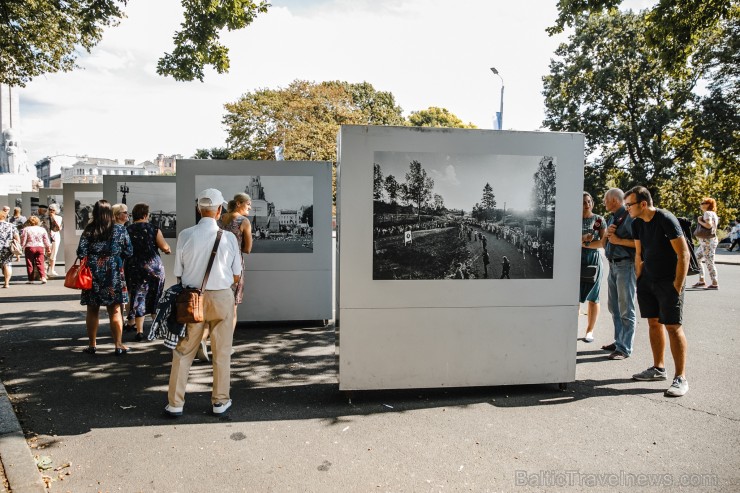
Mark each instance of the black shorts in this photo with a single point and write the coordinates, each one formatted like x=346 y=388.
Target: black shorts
x=659 y=299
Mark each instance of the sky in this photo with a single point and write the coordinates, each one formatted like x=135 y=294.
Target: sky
x=460 y=178
x=426 y=52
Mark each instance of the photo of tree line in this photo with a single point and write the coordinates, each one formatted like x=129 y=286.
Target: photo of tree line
x=452 y=221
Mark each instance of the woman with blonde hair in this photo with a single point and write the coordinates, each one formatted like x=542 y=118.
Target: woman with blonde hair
x=708 y=244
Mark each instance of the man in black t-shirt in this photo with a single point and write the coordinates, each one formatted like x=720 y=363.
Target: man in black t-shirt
x=661 y=264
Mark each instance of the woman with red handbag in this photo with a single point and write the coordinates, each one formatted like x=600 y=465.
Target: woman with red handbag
x=105 y=247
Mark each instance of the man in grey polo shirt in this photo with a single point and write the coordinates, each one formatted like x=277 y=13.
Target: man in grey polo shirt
x=194 y=246
x=620 y=252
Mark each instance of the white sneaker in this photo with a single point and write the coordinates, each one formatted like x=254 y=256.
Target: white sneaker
x=678 y=388
x=221 y=407
x=589 y=337
x=172 y=411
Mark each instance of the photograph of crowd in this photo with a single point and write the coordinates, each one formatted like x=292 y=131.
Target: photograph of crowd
x=160 y=196
x=84 y=202
x=463 y=216
x=282 y=209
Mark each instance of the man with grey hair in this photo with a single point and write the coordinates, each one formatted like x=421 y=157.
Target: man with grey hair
x=620 y=252
x=194 y=247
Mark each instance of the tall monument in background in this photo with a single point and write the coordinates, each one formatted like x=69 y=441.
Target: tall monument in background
x=16 y=175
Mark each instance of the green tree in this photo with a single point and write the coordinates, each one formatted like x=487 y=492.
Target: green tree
x=40 y=37
x=608 y=83
x=212 y=153
x=377 y=182
x=676 y=28
x=436 y=117
x=392 y=188
x=418 y=185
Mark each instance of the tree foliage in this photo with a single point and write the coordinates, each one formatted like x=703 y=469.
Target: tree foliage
x=644 y=121
x=40 y=37
x=608 y=83
x=676 y=28
x=436 y=117
x=544 y=187
x=488 y=201
x=392 y=188
x=377 y=182
x=212 y=153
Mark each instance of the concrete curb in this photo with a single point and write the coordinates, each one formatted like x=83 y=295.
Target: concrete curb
x=20 y=467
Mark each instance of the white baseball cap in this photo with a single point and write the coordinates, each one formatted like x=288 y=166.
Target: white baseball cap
x=210 y=197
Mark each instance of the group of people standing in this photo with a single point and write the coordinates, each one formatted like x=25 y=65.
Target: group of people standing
x=38 y=237
x=126 y=268
x=648 y=255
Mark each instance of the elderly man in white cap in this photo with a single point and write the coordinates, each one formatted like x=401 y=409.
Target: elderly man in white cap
x=194 y=246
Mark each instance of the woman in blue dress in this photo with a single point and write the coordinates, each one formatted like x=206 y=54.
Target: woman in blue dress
x=144 y=269
x=106 y=246
x=592 y=232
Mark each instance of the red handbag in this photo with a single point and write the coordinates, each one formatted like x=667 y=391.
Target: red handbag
x=78 y=276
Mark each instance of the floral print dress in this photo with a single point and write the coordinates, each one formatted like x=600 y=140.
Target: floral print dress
x=144 y=270
x=105 y=259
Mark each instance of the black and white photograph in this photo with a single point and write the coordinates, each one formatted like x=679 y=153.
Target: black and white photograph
x=282 y=209
x=159 y=196
x=84 y=202
x=462 y=216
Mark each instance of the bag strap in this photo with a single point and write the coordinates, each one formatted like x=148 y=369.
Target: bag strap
x=210 y=260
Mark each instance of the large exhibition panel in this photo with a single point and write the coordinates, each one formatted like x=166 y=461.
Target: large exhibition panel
x=159 y=193
x=30 y=203
x=458 y=262
x=50 y=196
x=288 y=275
x=79 y=199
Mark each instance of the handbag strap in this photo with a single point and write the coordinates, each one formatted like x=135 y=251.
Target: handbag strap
x=210 y=260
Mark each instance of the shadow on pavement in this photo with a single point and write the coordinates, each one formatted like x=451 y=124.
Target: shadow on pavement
x=278 y=373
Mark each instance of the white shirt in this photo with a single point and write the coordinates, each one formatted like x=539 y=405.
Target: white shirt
x=712 y=218
x=194 y=247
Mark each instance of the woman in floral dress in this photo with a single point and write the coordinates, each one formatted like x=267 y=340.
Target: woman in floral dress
x=106 y=246
x=144 y=269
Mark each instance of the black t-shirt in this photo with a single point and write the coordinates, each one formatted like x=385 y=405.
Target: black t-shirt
x=659 y=258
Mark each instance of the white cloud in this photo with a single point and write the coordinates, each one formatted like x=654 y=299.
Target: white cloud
x=426 y=52
x=449 y=176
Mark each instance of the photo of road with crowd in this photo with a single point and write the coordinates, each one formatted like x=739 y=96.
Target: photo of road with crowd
x=463 y=216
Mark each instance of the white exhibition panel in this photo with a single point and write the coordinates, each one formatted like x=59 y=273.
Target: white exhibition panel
x=278 y=286
x=13 y=200
x=456 y=347
x=44 y=195
x=453 y=332
x=26 y=208
x=89 y=193
x=4 y=202
x=111 y=185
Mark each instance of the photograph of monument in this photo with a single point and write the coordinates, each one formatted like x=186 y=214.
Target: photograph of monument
x=84 y=202
x=462 y=216
x=161 y=200
x=282 y=209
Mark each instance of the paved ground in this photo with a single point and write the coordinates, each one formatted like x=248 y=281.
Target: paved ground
x=98 y=419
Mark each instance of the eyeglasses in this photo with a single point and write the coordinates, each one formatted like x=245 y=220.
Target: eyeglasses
x=705 y=203
x=627 y=205
x=123 y=212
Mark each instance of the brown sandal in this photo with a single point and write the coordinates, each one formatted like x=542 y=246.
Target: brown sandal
x=699 y=285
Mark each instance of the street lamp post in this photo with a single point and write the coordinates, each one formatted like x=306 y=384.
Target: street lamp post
x=500 y=113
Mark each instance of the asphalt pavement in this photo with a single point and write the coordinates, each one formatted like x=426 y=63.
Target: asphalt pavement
x=96 y=421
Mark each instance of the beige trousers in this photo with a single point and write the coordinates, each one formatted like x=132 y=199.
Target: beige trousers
x=218 y=311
